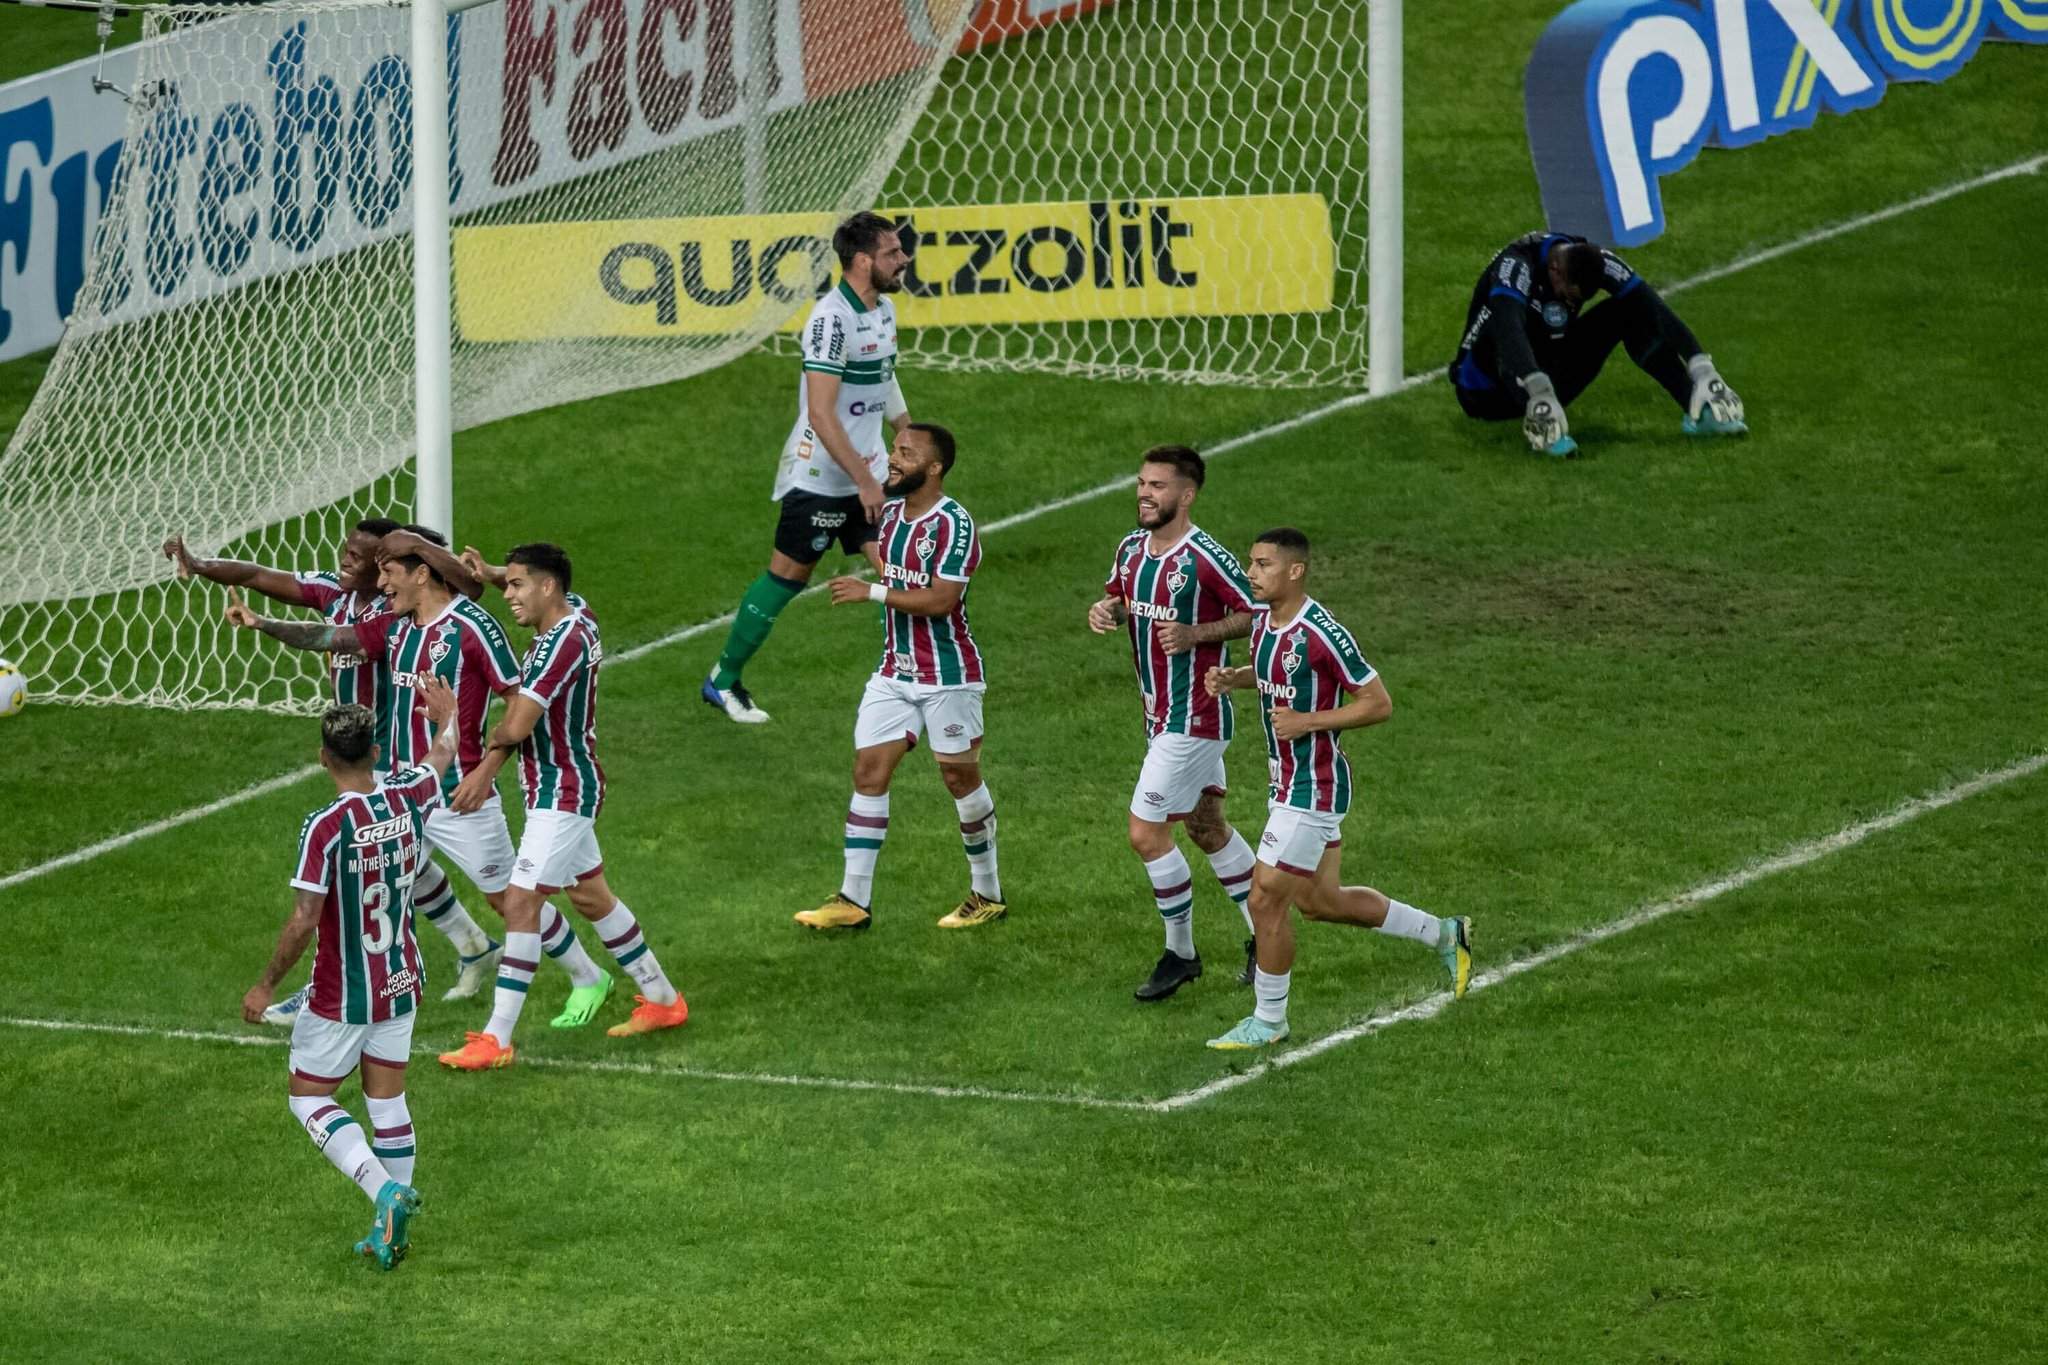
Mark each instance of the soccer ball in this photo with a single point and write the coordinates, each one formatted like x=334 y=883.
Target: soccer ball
x=13 y=689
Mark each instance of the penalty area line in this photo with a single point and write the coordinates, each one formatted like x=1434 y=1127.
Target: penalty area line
x=1797 y=856
x=2028 y=166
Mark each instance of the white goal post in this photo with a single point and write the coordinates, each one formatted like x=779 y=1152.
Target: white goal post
x=338 y=231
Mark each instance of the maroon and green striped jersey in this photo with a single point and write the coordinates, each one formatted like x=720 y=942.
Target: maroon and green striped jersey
x=938 y=651
x=356 y=680
x=1194 y=582
x=1309 y=664
x=558 y=767
x=466 y=646
x=361 y=852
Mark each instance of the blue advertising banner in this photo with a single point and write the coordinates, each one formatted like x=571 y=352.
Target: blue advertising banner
x=1620 y=93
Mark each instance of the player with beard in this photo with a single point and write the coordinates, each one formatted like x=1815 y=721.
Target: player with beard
x=929 y=681
x=1181 y=595
x=828 y=484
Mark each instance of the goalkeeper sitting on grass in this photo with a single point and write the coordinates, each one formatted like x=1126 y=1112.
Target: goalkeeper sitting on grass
x=1528 y=351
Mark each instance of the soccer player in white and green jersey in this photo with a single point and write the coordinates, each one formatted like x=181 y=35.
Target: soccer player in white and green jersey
x=829 y=482
x=1181 y=596
x=358 y=855
x=1313 y=684
x=929 y=683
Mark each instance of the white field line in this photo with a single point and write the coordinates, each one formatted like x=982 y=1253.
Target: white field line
x=2030 y=166
x=274 y=1037
x=1799 y=855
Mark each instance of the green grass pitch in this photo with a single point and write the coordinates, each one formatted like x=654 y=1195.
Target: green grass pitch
x=1801 y=1122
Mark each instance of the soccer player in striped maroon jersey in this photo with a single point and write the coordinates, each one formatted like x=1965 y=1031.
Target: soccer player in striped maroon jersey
x=1181 y=596
x=1313 y=684
x=929 y=682
x=357 y=857
x=552 y=724
x=343 y=598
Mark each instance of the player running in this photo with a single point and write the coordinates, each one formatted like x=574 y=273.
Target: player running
x=552 y=723
x=1313 y=684
x=1527 y=352
x=929 y=680
x=828 y=483
x=344 y=598
x=357 y=858
x=1181 y=595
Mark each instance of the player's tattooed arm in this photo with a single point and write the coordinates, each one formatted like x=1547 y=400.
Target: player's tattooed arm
x=1176 y=638
x=316 y=636
x=291 y=946
x=235 y=573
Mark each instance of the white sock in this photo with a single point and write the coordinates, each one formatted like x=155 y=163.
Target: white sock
x=867 y=824
x=1233 y=865
x=391 y=1139
x=1272 y=995
x=336 y=1133
x=559 y=942
x=515 y=974
x=433 y=895
x=1173 y=892
x=1405 y=921
x=978 y=835
x=623 y=939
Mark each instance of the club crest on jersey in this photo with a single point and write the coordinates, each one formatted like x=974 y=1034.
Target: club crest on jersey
x=925 y=546
x=438 y=650
x=820 y=541
x=905 y=664
x=1176 y=580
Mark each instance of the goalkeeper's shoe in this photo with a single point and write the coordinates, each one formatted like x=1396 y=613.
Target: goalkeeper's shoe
x=836 y=913
x=1714 y=411
x=648 y=1017
x=284 y=1013
x=581 y=1007
x=1544 y=427
x=472 y=970
x=390 y=1231
x=479 y=1052
x=976 y=909
x=735 y=701
x=1250 y=1034
x=1454 y=950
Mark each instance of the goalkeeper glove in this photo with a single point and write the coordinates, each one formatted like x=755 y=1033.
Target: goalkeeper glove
x=1714 y=410
x=1543 y=421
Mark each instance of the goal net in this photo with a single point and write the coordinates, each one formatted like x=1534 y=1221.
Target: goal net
x=1183 y=189
x=1158 y=190
x=239 y=366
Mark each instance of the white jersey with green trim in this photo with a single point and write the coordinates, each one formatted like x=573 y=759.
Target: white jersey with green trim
x=843 y=337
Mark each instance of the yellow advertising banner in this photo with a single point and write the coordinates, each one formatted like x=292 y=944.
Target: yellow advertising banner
x=1085 y=261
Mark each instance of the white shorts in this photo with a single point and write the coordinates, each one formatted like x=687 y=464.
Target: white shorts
x=479 y=843
x=1295 y=839
x=892 y=710
x=556 y=851
x=1179 y=770
x=324 y=1050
